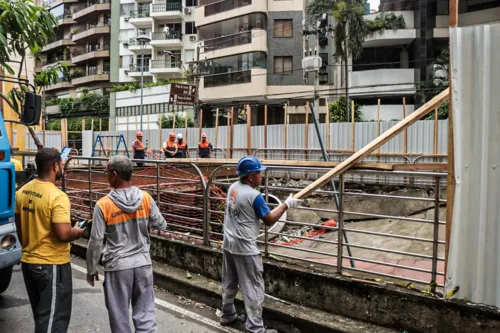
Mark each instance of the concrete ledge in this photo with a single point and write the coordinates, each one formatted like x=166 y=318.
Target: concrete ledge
x=388 y=306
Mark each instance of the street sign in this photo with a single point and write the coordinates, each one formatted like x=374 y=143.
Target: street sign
x=182 y=94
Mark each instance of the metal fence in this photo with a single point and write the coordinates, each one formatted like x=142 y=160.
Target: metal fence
x=370 y=240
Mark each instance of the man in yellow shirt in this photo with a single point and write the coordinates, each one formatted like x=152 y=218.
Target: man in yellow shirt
x=43 y=223
x=18 y=166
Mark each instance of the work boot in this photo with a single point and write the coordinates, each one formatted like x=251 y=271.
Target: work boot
x=240 y=319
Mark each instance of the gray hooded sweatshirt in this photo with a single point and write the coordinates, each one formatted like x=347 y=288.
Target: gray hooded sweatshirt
x=127 y=243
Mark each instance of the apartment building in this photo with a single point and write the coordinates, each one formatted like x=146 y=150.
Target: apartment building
x=397 y=63
x=82 y=43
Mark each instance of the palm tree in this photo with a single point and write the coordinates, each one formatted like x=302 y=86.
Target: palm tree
x=350 y=33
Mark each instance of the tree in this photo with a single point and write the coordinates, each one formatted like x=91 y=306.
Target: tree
x=337 y=111
x=167 y=121
x=317 y=7
x=24 y=29
x=350 y=34
x=438 y=82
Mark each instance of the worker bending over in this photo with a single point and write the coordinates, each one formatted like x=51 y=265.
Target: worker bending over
x=182 y=147
x=242 y=262
x=139 y=148
x=122 y=218
x=170 y=146
x=205 y=148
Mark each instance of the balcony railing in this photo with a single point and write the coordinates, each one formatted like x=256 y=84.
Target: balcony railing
x=90 y=48
x=241 y=38
x=163 y=36
x=97 y=71
x=167 y=7
x=225 y=5
x=155 y=64
x=227 y=79
x=137 y=68
x=139 y=13
x=135 y=42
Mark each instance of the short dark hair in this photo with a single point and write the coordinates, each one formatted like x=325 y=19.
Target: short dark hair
x=45 y=159
x=122 y=165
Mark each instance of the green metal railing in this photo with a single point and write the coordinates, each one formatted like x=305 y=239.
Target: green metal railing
x=165 y=64
x=139 y=13
x=163 y=36
x=166 y=7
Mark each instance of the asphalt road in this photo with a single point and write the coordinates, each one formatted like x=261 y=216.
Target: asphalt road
x=90 y=315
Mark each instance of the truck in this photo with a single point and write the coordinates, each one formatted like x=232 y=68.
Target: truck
x=10 y=245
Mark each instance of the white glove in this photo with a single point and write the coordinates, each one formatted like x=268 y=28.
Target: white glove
x=290 y=202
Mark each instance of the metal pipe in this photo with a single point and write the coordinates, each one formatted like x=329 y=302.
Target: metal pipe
x=435 y=244
x=325 y=157
x=340 y=207
x=142 y=82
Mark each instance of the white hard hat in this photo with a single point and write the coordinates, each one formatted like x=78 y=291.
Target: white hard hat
x=179 y=136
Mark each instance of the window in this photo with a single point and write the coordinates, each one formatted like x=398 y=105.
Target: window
x=283 y=65
x=188 y=55
x=126 y=8
x=191 y=3
x=283 y=28
x=190 y=28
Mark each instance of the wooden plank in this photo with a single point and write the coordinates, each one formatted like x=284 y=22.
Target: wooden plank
x=265 y=130
x=83 y=124
x=201 y=124
x=405 y=135
x=353 y=130
x=285 y=130
x=249 y=130
x=231 y=133
x=306 y=131
x=450 y=187
x=378 y=122
x=327 y=121
x=375 y=144
x=420 y=167
x=216 y=134
x=436 y=128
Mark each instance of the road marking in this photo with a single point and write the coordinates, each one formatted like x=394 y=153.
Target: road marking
x=179 y=310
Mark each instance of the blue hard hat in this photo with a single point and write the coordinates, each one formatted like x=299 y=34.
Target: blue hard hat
x=249 y=164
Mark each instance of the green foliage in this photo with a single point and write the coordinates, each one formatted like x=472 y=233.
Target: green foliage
x=348 y=15
x=133 y=86
x=75 y=125
x=385 y=21
x=23 y=27
x=337 y=111
x=167 y=121
x=317 y=7
x=442 y=112
x=86 y=103
x=437 y=83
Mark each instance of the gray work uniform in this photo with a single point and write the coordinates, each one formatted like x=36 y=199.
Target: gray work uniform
x=242 y=260
x=123 y=218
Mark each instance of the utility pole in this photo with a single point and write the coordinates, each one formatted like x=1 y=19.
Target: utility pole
x=197 y=83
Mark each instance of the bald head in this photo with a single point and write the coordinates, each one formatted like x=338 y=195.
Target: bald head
x=122 y=166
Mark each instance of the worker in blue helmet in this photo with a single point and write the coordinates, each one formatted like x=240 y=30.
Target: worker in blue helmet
x=242 y=264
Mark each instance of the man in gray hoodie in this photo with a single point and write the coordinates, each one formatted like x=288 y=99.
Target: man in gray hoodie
x=122 y=218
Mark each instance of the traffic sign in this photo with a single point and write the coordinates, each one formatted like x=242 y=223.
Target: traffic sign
x=182 y=94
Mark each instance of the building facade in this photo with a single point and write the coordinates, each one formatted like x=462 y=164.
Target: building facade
x=82 y=42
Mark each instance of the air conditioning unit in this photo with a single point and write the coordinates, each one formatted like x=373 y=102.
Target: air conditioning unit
x=125 y=44
x=192 y=38
x=126 y=18
x=187 y=10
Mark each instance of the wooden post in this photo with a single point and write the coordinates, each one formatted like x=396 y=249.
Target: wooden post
x=109 y=139
x=378 y=123
x=228 y=133
x=201 y=123
x=173 y=121
x=64 y=132
x=306 y=132
x=231 y=134
x=127 y=128
x=353 y=127
x=216 y=134
x=436 y=126
x=265 y=131
x=83 y=124
x=327 y=122
x=405 y=135
x=249 y=130
x=92 y=125
x=450 y=188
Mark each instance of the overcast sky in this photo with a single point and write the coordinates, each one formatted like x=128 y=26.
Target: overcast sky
x=374 y=4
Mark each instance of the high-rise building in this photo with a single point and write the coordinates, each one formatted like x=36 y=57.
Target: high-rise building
x=81 y=42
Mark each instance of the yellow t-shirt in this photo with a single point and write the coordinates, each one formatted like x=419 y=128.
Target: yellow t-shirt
x=39 y=204
x=18 y=166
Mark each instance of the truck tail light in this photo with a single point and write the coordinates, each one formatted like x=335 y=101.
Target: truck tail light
x=2 y=155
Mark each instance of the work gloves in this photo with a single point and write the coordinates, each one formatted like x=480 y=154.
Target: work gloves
x=290 y=202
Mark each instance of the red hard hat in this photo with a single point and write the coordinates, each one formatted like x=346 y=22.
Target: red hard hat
x=204 y=135
x=139 y=133
x=172 y=135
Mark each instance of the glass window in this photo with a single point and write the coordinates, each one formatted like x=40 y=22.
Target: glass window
x=283 y=65
x=188 y=55
x=190 y=28
x=191 y=3
x=126 y=8
x=235 y=63
x=283 y=28
x=223 y=6
x=58 y=12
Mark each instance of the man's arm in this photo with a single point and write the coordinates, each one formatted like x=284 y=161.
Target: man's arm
x=61 y=221
x=156 y=220
x=95 y=244
x=271 y=217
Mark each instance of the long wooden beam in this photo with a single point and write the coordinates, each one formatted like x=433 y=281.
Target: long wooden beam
x=375 y=144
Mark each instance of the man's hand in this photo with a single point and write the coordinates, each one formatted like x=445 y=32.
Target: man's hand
x=79 y=231
x=91 y=278
x=290 y=202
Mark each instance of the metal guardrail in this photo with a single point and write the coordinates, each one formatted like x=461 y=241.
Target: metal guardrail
x=396 y=246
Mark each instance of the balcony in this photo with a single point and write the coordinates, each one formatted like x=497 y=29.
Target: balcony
x=134 y=46
x=251 y=83
x=54 y=3
x=93 y=8
x=92 y=31
x=62 y=59
x=66 y=19
x=244 y=42
x=59 y=42
x=140 y=18
x=92 y=75
x=166 y=10
x=392 y=37
x=61 y=84
x=165 y=67
x=402 y=78
x=90 y=53
x=222 y=10
x=171 y=40
x=135 y=70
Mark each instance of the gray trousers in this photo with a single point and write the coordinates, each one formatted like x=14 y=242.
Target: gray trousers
x=131 y=286
x=245 y=271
